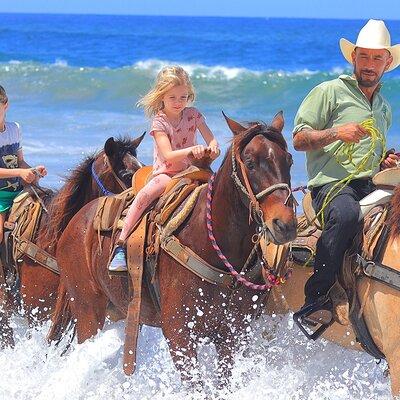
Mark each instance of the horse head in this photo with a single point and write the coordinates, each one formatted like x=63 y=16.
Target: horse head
x=261 y=172
x=113 y=168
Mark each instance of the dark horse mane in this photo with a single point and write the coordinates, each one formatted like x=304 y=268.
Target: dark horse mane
x=241 y=140
x=394 y=214
x=260 y=128
x=66 y=203
x=71 y=197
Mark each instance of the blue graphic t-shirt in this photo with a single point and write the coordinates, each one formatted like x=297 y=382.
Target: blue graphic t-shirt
x=10 y=143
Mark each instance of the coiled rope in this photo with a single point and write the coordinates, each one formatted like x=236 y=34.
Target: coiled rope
x=344 y=156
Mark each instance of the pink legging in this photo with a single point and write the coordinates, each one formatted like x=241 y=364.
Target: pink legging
x=150 y=192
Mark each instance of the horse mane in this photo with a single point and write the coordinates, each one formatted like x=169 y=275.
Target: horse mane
x=66 y=203
x=241 y=140
x=259 y=128
x=393 y=220
x=73 y=196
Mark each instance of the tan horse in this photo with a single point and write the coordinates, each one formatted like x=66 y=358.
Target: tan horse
x=380 y=303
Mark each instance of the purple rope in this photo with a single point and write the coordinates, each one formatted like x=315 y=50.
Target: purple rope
x=100 y=183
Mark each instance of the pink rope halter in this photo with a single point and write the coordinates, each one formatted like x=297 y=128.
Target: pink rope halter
x=273 y=280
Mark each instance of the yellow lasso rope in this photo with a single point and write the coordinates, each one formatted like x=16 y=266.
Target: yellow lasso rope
x=345 y=157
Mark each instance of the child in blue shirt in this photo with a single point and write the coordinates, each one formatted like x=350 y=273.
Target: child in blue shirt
x=14 y=171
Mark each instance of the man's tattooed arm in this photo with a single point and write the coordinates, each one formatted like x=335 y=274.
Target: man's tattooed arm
x=308 y=139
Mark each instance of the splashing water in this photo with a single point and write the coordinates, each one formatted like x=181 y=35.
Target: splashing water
x=278 y=363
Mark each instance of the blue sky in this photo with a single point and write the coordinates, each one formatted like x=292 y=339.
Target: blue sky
x=349 y=9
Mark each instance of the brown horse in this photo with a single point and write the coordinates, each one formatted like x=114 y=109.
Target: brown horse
x=109 y=171
x=380 y=303
x=191 y=309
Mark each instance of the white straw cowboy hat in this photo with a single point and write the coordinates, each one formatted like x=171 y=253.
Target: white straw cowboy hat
x=374 y=35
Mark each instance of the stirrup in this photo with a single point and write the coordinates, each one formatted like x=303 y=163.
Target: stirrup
x=300 y=318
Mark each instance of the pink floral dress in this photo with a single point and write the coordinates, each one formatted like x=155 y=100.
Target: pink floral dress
x=180 y=137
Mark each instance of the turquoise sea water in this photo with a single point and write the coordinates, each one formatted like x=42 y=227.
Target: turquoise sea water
x=73 y=81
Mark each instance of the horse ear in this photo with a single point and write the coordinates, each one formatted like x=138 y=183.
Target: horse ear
x=110 y=147
x=136 y=142
x=234 y=126
x=278 y=121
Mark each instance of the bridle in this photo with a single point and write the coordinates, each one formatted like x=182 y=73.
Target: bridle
x=255 y=211
x=110 y=169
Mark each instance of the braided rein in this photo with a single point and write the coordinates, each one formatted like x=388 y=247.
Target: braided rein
x=273 y=280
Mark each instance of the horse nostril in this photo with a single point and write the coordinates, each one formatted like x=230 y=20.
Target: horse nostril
x=288 y=231
x=278 y=224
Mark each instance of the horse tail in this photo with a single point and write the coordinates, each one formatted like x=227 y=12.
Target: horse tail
x=62 y=318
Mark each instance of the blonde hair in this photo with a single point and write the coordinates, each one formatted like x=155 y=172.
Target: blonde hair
x=3 y=95
x=167 y=78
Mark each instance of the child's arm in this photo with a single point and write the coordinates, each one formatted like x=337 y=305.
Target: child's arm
x=164 y=146
x=210 y=140
x=26 y=174
x=26 y=171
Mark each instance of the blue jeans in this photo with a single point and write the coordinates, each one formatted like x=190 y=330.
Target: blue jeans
x=341 y=225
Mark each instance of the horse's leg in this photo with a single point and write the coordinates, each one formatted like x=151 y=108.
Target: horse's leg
x=225 y=350
x=177 y=320
x=38 y=292
x=393 y=361
x=183 y=352
x=89 y=312
x=6 y=332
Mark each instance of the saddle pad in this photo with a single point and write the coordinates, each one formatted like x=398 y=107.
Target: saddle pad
x=387 y=177
x=140 y=178
x=110 y=208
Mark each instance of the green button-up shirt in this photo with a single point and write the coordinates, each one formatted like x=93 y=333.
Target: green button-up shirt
x=334 y=103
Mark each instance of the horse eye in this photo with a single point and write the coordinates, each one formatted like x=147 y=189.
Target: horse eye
x=250 y=165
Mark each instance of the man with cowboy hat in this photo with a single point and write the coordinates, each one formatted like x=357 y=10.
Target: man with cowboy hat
x=329 y=115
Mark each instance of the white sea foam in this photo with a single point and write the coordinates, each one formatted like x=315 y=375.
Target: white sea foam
x=60 y=63
x=219 y=71
x=197 y=70
x=278 y=363
x=152 y=66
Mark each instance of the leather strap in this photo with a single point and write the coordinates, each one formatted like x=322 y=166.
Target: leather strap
x=196 y=264
x=380 y=272
x=362 y=332
x=135 y=249
x=116 y=177
x=2 y=278
x=357 y=319
x=38 y=255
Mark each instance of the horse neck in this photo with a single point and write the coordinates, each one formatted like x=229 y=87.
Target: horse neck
x=230 y=217
x=72 y=196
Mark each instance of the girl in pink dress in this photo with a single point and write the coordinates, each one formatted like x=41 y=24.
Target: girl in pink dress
x=173 y=128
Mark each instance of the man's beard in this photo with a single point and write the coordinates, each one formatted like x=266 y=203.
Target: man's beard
x=366 y=83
